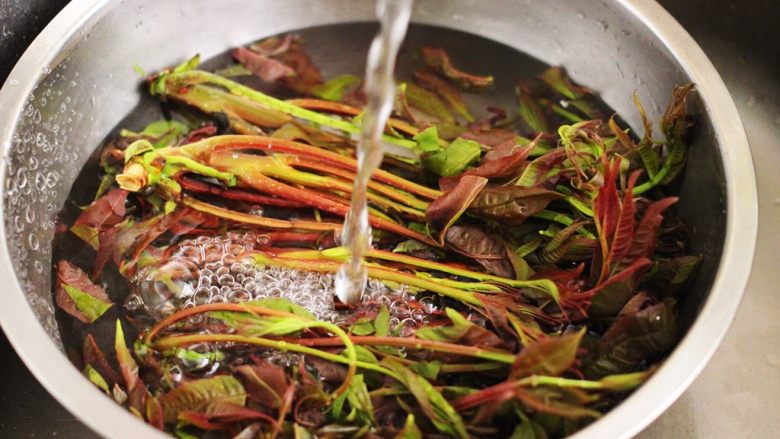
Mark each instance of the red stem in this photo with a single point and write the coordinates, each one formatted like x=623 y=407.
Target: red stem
x=235 y=194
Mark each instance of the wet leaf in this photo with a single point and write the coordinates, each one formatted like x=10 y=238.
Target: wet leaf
x=453 y=160
x=96 y=379
x=409 y=430
x=530 y=110
x=90 y=307
x=428 y=102
x=504 y=161
x=548 y=356
x=669 y=275
x=511 y=204
x=437 y=59
x=127 y=363
x=445 y=90
x=77 y=295
x=196 y=395
x=635 y=336
x=444 y=211
x=484 y=248
x=462 y=331
x=334 y=89
x=432 y=403
x=94 y=357
x=107 y=211
x=264 y=67
x=542 y=168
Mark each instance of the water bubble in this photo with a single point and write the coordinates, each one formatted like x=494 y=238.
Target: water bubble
x=33 y=242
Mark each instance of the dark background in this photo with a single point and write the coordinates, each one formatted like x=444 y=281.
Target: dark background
x=741 y=38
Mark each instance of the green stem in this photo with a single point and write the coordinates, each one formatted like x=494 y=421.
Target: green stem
x=560 y=218
x=173 y=341
x=193 y=77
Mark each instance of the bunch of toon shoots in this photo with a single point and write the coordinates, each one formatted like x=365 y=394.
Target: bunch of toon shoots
x=535 y=251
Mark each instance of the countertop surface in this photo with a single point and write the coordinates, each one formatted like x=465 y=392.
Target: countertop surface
x=737 y=395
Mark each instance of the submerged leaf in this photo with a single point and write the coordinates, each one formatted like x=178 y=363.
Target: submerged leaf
x=267 y=69
x=334 y=89
x=427 y=102
x=637 y=335
x=196 y=395
x=437 y=59
x=77 y=295
x=107 y=211
x=445 y=90
x=433 y=404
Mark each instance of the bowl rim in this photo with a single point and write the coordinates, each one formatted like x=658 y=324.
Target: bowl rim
x=63 y=381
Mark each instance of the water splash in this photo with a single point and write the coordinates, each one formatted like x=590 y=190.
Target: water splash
x=356 y=235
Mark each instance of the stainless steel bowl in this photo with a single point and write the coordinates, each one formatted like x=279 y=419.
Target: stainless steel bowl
x=76 y=82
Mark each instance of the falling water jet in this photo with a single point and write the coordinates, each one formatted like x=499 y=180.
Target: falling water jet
x=379 y=86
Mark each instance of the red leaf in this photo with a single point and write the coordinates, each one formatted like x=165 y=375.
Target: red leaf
x=220 y=414
x=645 y=233
x=267 y=69
x=439 y=60
x=264 y=382
x=486 y=249
x=107 y=211
x=607 y=205
x=504 y=161
x=69 y=274
x=548 y=356
x=445 y=210
x=624 y=231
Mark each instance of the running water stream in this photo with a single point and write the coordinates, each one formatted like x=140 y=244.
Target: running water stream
x=379 y=87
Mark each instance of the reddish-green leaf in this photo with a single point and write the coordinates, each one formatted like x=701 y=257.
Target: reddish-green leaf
x=548 y=356
x=511 y=204
x=77 y=295
x=483 y=247
x=445 y=90
x=445 y=210
x=267 y=69
x=107 y=211
x=198 y=394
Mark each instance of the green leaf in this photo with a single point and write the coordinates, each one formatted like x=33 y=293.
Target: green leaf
x=382 y=322
x=127 y=363
x=197 y=394
x=359 y=399
x=452 y=161
x=365 y=327
x=548 y=356
x=410 y=430
x=530 y=111
x=441 y=414
x=90 y=306
x=428 y=102
x=96 y=379
x=88 y=234
x=183 y=434
x=410 y=246
x=333 y=90
x=137 y=148
x=428 y=140
x=428 y=369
